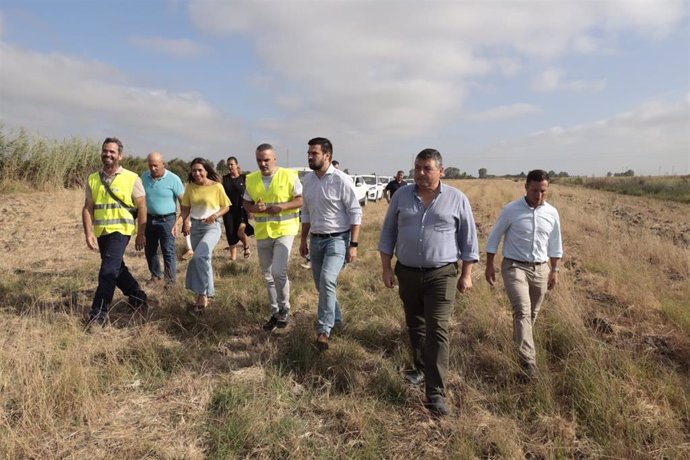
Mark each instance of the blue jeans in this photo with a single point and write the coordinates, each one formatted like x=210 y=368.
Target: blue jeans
x=199 y=271
x=159 y=231
x=327 y=259
x=114 y=273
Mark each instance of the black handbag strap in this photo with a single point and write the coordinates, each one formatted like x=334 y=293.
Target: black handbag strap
x=132 y=211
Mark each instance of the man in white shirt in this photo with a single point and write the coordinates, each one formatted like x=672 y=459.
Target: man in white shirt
x=331 y=216
x=532 y=233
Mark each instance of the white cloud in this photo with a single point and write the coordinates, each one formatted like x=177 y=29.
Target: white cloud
x=404 y=68
x=176 y=47
x=57 y=94
x=505 y=112
x=552 y=80
x=650 y=138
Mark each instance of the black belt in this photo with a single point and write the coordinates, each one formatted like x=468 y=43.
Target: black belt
x=328 y=235
x=160 y=216
x=426 y=269
x=521 y=262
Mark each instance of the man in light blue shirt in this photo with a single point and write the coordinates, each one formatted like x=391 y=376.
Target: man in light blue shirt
x=430 y=227
x=532 y=237
x=163 y=190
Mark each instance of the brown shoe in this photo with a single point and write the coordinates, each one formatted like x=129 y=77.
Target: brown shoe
x=322 y=342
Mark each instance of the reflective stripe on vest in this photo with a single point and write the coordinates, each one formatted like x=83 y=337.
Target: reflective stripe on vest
x=279 y=191
x=108 y=215
x=276 y=217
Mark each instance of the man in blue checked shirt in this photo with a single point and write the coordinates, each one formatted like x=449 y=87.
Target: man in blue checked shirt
x=531 y=232
x=430 y=228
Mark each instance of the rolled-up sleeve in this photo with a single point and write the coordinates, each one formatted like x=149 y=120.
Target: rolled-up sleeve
x=468 y=245
x=555 y=245
x=497 y=232
x=354 y=210
x=389 y=229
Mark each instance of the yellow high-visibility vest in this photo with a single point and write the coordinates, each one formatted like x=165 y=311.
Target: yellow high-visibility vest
x=280 y=191
x=108 y=215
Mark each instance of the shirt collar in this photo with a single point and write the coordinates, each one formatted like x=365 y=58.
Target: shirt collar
x=117 y=171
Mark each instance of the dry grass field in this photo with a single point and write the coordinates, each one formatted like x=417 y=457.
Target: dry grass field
x=613 y=350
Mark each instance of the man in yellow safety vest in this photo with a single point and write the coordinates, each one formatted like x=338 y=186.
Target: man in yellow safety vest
x=110 y=219
x=274 y=195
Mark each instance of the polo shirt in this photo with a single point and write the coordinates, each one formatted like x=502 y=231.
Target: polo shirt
x=162 y=193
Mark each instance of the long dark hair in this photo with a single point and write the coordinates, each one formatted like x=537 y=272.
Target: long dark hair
x=210 y=170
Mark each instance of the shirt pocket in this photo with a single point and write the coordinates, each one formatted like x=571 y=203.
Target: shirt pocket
x=444 y=223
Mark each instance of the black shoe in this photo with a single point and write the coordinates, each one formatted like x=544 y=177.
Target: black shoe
x=138 y=301
x=96 y=320
x=271 y=324
x=282 y=319
x=414 y=376
x=437 y=405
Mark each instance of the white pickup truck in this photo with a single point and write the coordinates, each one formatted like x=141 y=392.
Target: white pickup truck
x=361 y=188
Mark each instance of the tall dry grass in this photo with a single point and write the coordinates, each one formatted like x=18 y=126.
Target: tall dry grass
x=168 y=385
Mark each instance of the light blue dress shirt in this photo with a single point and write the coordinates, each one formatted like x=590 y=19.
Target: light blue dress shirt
x=431 y=237
x=531 y=234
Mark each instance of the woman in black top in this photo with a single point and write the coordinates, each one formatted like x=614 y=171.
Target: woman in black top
x=237 y=227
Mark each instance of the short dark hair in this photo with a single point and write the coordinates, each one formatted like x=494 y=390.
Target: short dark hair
x=231 y=159
x=263 y=147
x=335 y=163
x=537 y=175
x=208 y=166
x=326 y=146
x=113 y=140
x=431 y=154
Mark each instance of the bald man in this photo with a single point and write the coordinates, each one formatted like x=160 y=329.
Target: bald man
x=163 y=190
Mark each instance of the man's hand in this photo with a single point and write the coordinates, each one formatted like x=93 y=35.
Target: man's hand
x=553 y=280
x=92 y=242
x=140 y=241
x=274 y=209
x=465 y=283
x=490 y=274
x=303 y=248
x=174 y=231
x=388 y=277
x=351 y=254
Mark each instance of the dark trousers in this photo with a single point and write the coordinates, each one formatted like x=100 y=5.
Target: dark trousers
x=428 y=297
x=159 y=232
x=114 y=273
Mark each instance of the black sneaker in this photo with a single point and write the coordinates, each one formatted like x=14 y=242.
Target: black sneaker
x=414 y=376
x=96 y=320
x=282 y=319
x=271 y=324
x=437 y=405
x=138 y=301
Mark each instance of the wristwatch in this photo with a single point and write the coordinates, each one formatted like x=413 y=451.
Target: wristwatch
x=354 y=244
x=555 y=269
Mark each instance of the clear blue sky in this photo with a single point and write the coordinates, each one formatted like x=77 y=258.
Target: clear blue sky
x=585 y=87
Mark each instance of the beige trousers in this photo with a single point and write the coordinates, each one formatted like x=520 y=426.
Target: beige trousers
x=526 y=286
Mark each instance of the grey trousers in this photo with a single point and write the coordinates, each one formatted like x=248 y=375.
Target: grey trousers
x=274 y=254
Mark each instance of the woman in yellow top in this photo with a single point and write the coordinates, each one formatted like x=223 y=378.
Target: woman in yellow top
x=203 y=203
